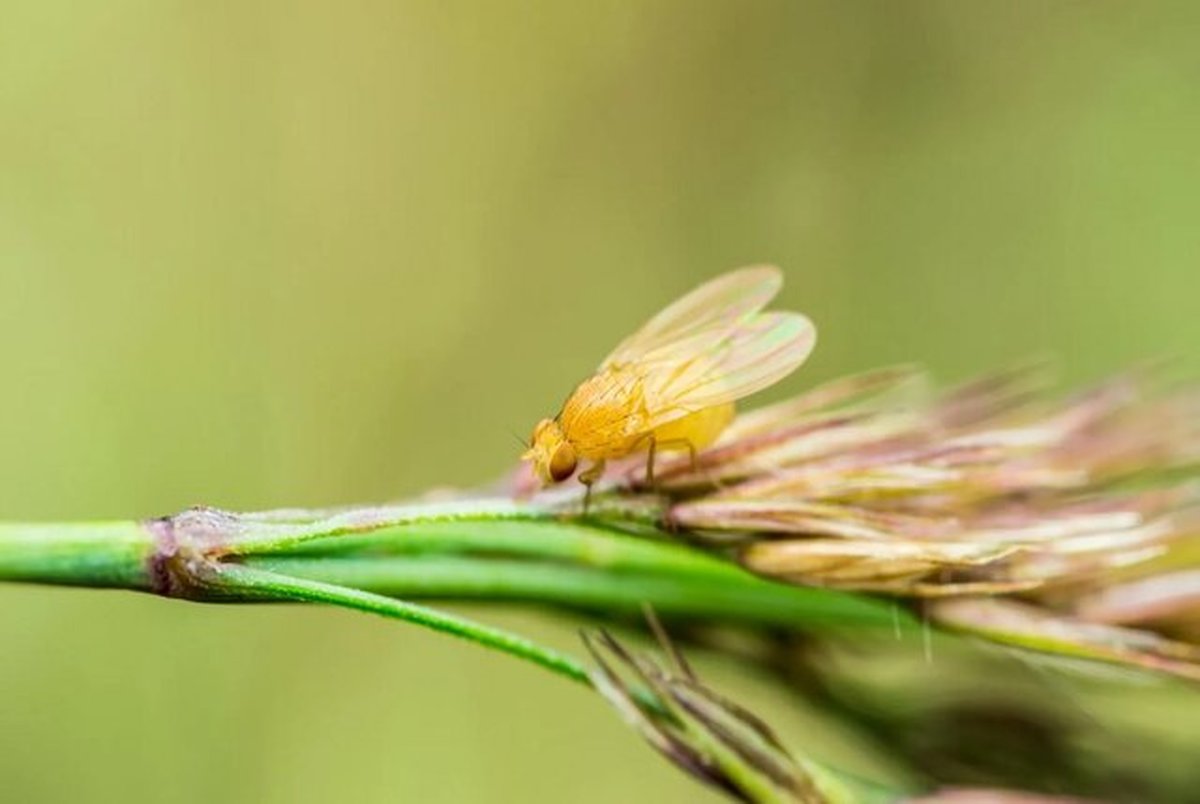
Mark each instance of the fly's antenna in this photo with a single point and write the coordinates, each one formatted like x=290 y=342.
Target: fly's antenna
x=519 y=440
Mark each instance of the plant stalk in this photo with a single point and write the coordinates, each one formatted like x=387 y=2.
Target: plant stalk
x=365 y=558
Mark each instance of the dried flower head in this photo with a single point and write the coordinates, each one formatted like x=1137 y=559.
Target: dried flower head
x=1085 y=507
x=729 y=748
x=704 y=733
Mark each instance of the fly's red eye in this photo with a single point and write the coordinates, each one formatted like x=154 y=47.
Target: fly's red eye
x=562 y=463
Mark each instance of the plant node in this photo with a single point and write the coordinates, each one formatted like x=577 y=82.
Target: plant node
x=187 y=549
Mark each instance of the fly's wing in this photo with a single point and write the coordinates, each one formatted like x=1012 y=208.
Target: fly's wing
x=701 y=318
x=701 y=370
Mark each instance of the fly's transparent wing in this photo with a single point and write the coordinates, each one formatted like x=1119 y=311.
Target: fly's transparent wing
x=702 y=317
x=687 y=376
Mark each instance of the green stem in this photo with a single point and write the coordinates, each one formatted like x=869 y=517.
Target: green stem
x=728 y=596
x=274 y=532
x=99 y=554
x=484 y=550
x=480 y=550
x=240 y=582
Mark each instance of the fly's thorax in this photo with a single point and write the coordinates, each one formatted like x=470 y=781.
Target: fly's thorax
x=552 y=455
x=605 y=416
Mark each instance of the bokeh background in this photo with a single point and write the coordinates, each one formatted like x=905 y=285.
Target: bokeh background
x=256 y=254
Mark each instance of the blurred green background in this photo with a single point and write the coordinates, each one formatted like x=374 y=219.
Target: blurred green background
x=257 y=254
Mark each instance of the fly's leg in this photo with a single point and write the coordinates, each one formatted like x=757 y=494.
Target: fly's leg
x=694 y=467
x=650 y=460
x=587 y=477
x=667 y=444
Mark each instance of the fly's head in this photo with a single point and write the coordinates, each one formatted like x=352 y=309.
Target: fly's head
x=551 y=454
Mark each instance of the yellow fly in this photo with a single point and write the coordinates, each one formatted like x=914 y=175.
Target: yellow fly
x=672 y=384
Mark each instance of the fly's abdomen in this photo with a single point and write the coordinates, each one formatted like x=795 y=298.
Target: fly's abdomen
x=697 y=429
